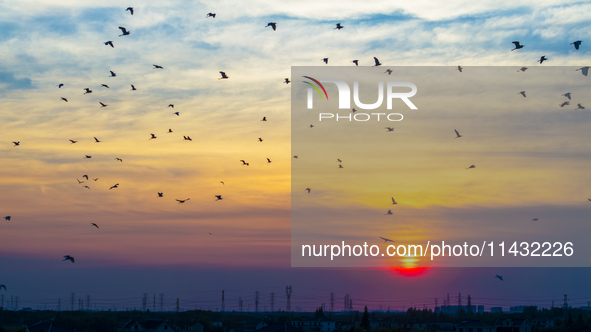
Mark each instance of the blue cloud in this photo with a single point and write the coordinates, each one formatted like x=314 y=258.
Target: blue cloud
x=11 y=82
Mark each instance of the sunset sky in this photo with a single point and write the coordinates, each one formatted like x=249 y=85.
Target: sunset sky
x=45 y=43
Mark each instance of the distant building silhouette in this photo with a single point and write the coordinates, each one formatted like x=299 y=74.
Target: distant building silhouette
x=149 y=325
x=513 y=325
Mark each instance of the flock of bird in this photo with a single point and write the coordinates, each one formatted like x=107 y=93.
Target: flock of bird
x=273 y=25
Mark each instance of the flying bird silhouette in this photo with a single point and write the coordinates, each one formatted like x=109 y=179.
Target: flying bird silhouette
x=95 y=225
x=171 y=105
x=339 y=160
x=356 y=62
x=224 y=76
x=153 y=136
x=459 y=69
x=521 y=93
x=73 y=141
x=103 y=104
x=64 y=99
x=580 y=107
x=244 y=163
x=471 y=166
x=517 y=46
x=157 y=67
x=112 y=73
x=3 y=286
x=124 y=31
x=287 y=81
x=499 y=277
x=87 y=187
x=264 y=118
x=182 y=200
x=389 y=212
x=59 y=86
x=260 y=139
x=222 y=182
x=542 y=59
x=339 y=27
x=96 y=140
x=340 y=166
x=79 y=182
x=187 y=138
x=16 y=143
x=109 y=43
x=210 y=15
x=308 y=190
x=522 y=69
x=218 y=197
x=87 y=90
x=295 y=157
x=386 y=240
x=389 y=129
x=378 y=63
x=534 y=219
x=133 y=88
x=115 y=186
x=325 y=60
x=160 y=194
x=577 y=44
x=85 y=176
x=130 y=10
x=68 y=258
x=394 y=201
x=7 y=218
x=268 y=161
x=87 y=156
x=95 y=179
x=566 y=103
x=272 y=25
x=389 y=71
x=119 y=159
x=177 y=113
x=567 y=95
x=457 y=134
x=104 y=85
x=584 y=70
x=169 y=130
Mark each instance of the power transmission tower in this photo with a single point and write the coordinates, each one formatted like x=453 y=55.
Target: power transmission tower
x=256 y=301
x=469 y=304
x=145 y=302
x=178 y=307
x=87 y=302
x=272 y=301
x=331 y=302
x=447 y=303
x=435 y=304
x=154 y=308
x=240 y=303
x=459 y=301
x=350 y=304
x=288 y=293
x=346 y=303
x=223 y=302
